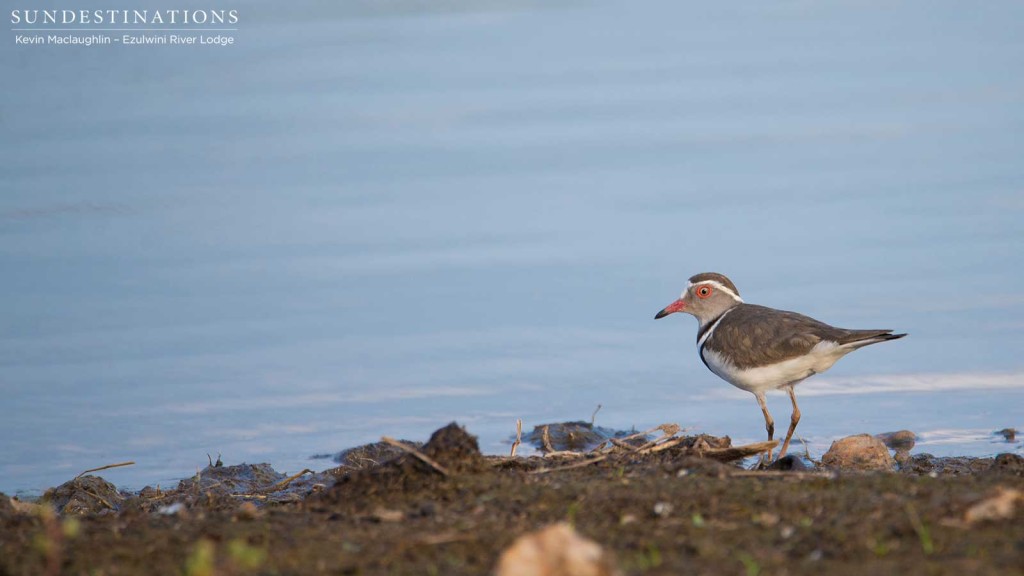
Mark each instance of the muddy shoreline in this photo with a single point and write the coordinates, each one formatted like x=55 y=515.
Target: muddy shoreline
x=664 y=504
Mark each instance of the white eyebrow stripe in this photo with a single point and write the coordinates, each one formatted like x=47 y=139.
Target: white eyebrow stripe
x=717 y=285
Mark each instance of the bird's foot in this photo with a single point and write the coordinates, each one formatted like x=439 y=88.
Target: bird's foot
x=763 y=462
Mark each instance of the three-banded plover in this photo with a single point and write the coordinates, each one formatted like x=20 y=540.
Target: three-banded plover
x=758 y=349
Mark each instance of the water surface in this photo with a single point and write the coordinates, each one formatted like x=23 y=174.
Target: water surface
x=375 y=218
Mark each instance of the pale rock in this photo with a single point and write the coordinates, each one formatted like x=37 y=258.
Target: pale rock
x=999 y=506
x=860 y=452
x=555 y=551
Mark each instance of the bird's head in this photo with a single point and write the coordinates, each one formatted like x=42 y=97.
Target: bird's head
x=707 y=296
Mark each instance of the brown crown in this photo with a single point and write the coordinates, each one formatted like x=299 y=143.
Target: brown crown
x=720 y=278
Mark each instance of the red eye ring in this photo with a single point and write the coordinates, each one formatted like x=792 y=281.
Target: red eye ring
x=704 y=291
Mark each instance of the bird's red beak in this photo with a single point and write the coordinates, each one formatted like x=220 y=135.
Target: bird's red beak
x=672 y=308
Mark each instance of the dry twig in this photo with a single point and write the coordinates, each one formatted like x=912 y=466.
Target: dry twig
x=738 y=452
x=284 y=483
x=100 y=498
x=622 y=444
x=664 y=445
x=564 y=454
x=118 y=465
x=519 y=436
x=666 y=430
x=420 y=455
x=580 y=464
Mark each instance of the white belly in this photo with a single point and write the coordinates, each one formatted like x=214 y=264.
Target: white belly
x=777 y=375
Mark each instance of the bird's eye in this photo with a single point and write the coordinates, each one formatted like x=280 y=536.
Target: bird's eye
x=704 y=291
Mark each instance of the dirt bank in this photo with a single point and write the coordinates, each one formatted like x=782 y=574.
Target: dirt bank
x=443 y=508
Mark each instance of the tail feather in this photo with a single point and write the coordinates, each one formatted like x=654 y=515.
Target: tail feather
x=859 y=338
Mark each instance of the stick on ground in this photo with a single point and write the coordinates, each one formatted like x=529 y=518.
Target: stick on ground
x=519 y=436
x=420 y=455
x=284 y=483
x=738 y=452
x=580 y=464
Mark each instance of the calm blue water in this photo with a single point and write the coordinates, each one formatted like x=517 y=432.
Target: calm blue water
x=369 y=219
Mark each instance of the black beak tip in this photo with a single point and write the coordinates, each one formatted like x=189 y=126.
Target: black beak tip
x=660 y=315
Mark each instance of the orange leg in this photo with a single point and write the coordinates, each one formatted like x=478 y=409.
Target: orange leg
x=769 y=423
x=793 y=421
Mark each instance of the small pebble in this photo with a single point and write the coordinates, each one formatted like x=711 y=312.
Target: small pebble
x=662 y=509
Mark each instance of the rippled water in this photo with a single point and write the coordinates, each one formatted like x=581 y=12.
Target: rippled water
x=374 y=219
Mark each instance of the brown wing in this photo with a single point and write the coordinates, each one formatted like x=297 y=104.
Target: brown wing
x=756 y=335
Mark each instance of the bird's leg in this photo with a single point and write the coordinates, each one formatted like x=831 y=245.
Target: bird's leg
x=769 y=424
x=793 y=421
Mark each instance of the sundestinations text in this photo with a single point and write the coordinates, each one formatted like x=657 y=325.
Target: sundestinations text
x=135 y=17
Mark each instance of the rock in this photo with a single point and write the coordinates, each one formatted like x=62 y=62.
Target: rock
x=451 y=451
x=999 y=506
x=577 y=436
x=555 y=551
x=370 y=455
x=1010 y=434
x=903 y=458
x=860 y=452
x=236 y=479
x=789 y=463
x=84 y=495
x=455 y=449
x=948 y=466
x=1007 y=463
x=900 y=440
